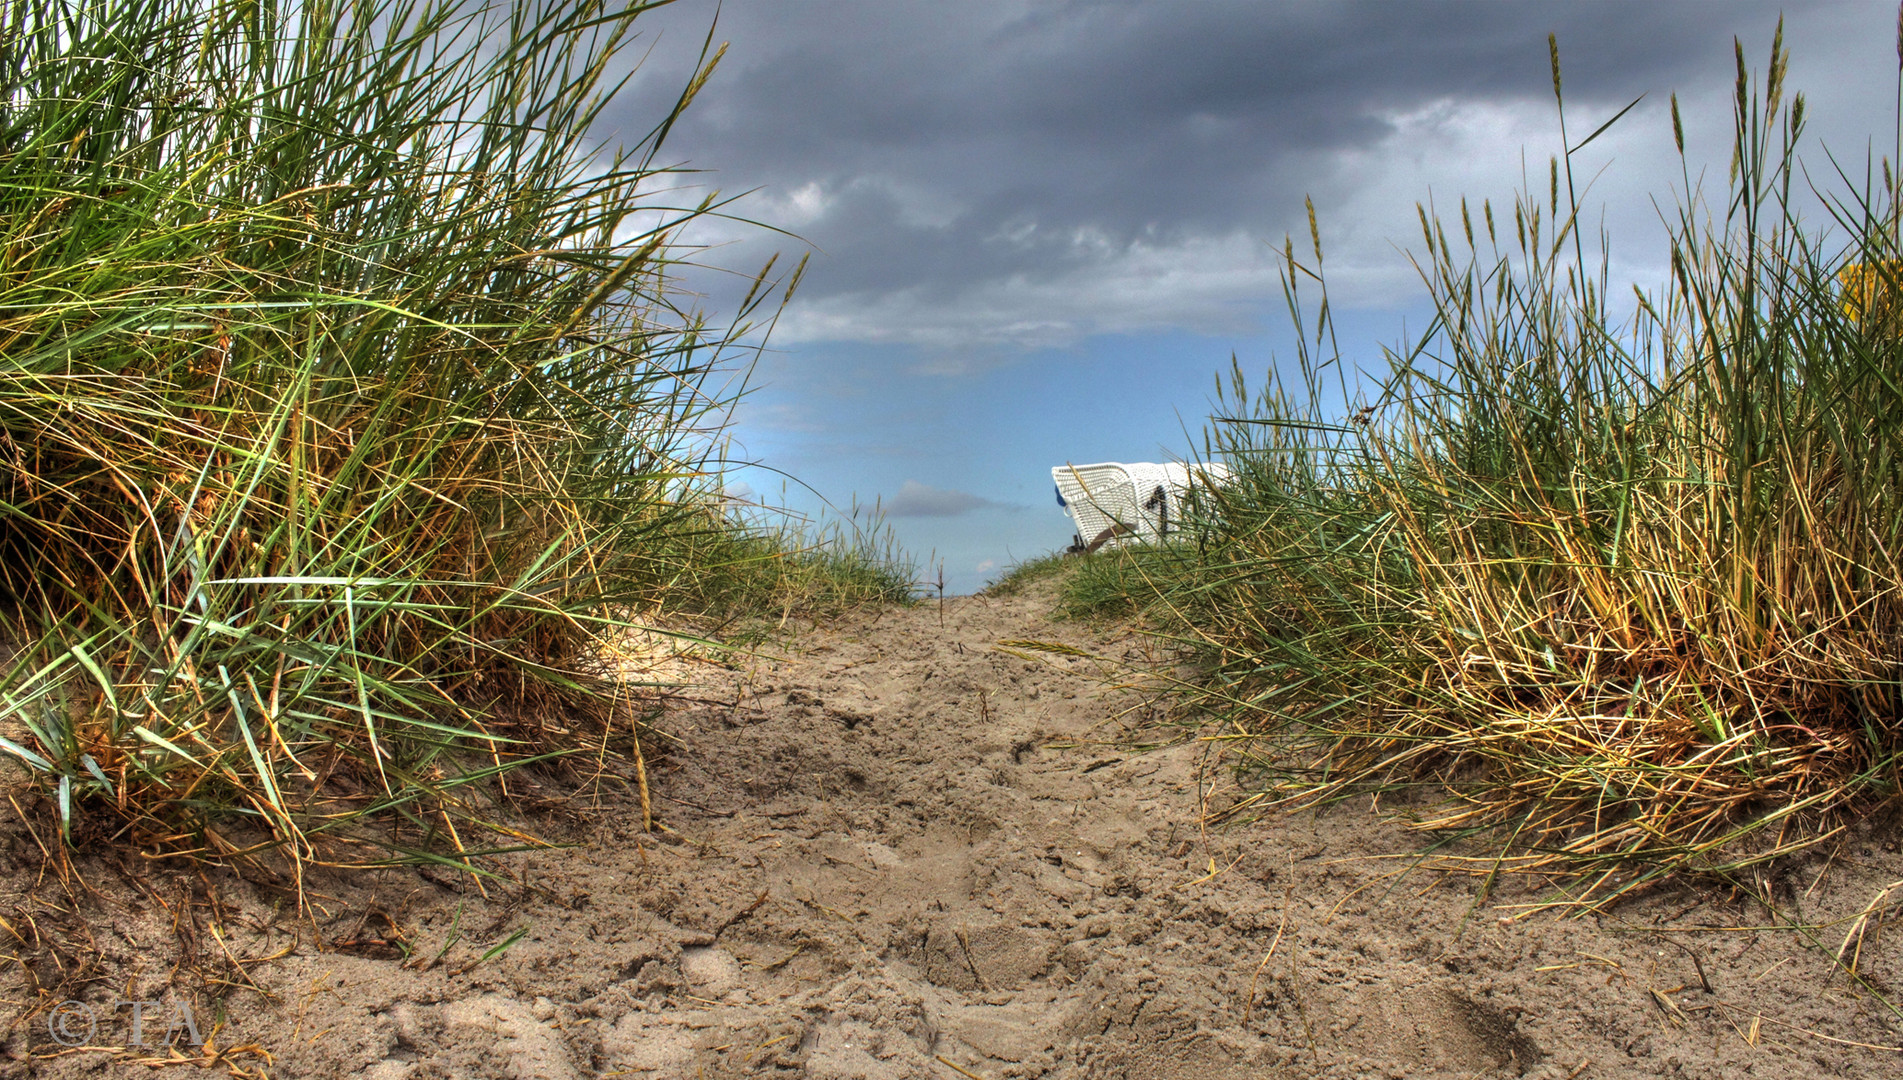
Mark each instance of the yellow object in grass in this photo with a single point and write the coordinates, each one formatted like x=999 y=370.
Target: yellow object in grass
x=1869 y=290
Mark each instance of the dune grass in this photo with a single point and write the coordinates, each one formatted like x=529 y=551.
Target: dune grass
x=746 y=574
x=1630 y=589
x=348 y=406
x=1110 y=584
x=1021 y=575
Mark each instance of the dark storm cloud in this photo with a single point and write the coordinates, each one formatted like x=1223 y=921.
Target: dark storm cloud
x=932 y=150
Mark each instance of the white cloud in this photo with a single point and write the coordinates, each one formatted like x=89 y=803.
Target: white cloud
x=781 y=417
x=1214 y=284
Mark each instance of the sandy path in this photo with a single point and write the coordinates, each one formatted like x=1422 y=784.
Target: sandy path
x=902 y=852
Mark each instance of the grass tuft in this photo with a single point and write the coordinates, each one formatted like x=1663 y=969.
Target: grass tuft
x=1628 y=588
x=1023 y=575
x=348 y=406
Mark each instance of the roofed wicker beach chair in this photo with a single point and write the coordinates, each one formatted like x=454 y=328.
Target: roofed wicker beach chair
x=1113 y=503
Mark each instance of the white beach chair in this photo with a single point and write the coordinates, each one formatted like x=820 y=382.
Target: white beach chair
x=1113 y=502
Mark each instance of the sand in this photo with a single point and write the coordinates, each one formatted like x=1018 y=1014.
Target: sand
x=896 y=849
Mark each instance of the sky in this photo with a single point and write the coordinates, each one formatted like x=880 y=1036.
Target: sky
x=1039 y=231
